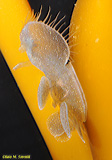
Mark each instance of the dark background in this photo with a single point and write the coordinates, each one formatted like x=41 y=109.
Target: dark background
x=19 y=133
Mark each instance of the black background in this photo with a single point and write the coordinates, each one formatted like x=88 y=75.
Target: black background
x=19 y=133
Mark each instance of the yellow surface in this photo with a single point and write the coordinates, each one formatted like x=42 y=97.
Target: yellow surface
x=93 y=63
x=12 y=18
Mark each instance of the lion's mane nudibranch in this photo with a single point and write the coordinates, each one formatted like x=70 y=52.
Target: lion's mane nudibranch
x=48 y=50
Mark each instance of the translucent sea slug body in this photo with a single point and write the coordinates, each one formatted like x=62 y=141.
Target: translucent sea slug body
x=48 y=51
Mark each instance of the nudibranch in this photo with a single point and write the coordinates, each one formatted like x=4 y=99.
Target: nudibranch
x=49 y=51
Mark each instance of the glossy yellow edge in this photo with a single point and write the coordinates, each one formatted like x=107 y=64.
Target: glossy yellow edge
x=92 y=22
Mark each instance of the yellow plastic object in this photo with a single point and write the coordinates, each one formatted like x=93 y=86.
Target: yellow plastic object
x=92 y=22
x=12 y=18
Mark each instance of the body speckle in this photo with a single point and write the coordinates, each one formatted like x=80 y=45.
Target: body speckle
x=48 y=50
